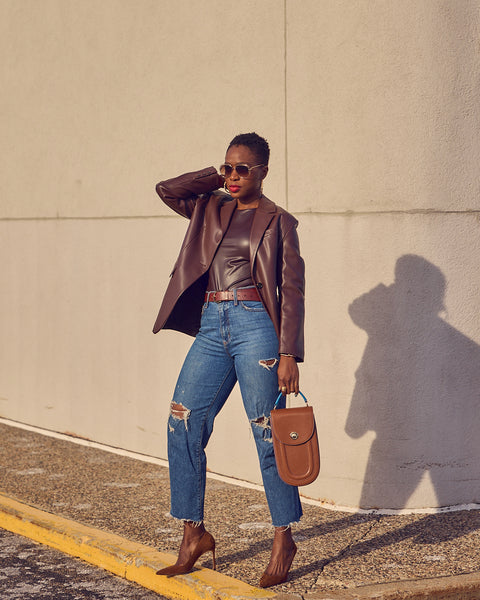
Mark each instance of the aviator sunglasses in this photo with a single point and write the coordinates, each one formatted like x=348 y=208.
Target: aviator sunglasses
x=242 y=170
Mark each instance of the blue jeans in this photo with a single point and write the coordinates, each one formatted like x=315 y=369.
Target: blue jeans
x=236 y=341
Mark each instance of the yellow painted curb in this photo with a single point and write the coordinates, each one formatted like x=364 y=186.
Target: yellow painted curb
x=130 y=560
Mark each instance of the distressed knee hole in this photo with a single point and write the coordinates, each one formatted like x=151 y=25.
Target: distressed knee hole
x=263 y=423
x=178 y=412
x=268 y=363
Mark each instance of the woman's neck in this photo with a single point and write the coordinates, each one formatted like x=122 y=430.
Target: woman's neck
x=247 y=205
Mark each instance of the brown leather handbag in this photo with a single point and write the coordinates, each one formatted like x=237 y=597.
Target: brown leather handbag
x=295 y=443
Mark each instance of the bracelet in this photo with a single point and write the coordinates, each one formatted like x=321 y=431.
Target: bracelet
x=289 y=355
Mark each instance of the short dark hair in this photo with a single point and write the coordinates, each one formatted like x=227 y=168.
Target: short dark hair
x=257 y=144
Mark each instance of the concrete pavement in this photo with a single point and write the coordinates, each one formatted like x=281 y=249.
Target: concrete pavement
x=112 y=510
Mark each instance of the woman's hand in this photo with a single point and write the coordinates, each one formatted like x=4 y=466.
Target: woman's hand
x=288 y=375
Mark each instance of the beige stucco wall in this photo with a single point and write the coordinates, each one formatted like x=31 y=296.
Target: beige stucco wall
x=371 y=111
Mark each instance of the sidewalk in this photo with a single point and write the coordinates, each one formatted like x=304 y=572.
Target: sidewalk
x=118 y=506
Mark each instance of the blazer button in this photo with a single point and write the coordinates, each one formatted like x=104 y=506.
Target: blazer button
x=259 y=285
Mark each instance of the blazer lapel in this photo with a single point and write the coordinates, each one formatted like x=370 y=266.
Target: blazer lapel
x=263 y=215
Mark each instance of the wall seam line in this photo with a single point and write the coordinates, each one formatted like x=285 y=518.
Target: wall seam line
x=424 y=212
x=92 y=218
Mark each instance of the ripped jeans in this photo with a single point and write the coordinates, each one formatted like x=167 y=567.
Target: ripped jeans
x=236 y=342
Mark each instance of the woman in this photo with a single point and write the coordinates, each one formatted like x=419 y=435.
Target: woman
x=238 y=287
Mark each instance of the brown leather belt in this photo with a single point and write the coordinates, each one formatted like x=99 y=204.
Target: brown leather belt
x=248 y=294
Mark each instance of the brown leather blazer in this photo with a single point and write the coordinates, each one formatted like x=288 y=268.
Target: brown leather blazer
x=277 y=267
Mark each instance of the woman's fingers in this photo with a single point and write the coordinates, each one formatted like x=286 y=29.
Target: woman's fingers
x=288 y=375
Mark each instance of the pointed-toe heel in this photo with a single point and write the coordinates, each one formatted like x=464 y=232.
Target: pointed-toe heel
x=205 y=544
x=268 y=580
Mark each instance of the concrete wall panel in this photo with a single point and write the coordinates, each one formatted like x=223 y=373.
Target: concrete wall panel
x=380 y=105
x=77 y=350
x=393 y=357
x=106 y=98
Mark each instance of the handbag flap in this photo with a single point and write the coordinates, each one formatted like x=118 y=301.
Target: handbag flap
x=293 y=426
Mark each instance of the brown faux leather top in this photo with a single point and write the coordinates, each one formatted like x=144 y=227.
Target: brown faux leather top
x=230 y=267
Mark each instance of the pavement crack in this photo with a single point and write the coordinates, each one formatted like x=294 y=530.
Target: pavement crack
x=346 y=549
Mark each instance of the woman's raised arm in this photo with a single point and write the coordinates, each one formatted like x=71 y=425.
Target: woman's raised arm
x=181 y=193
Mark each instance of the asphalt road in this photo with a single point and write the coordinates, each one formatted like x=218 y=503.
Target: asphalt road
x=30 y=571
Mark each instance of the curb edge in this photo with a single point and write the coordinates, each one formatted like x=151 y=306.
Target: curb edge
x=130 y=560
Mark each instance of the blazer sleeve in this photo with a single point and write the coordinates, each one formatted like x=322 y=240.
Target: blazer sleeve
x=291 y=277
x=181 y=193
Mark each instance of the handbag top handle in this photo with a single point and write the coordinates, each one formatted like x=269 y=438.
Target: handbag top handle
x=280 y=395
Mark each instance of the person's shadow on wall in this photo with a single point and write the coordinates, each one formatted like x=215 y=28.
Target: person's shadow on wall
x=418 y=388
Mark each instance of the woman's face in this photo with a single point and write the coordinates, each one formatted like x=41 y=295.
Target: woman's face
x=247 y=191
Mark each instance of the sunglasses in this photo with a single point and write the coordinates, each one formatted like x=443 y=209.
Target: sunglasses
x=242 y=170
